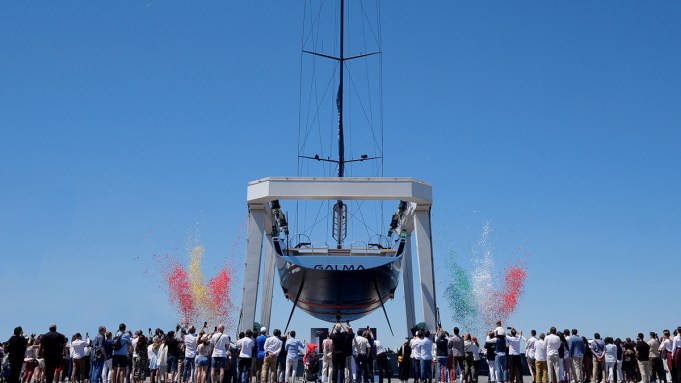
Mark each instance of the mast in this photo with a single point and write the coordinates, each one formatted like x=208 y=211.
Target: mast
x=339 y=210
x=339 y=100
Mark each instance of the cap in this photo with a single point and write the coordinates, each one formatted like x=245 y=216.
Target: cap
x=263 y=330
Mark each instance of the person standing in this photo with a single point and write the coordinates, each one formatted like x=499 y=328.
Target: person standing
x=442 y=355
x=362 y=347
x=272 y=348
x=219 y=356
x=490 y=343
x=553 y=343
x=455 y=345
x=470 y=350
x=97 y=356
x=327 y=354
x=643 y=357
x=16 y=349
x=292 y=346
x=656 y=366
x=260 y=353
x=371 y=357
x=426 y=348
x=415 y=345
x=246 y=345
x=598 y=352
x=500 y=356
x=79 y=360
x=576 y=350
x=666 y=354
x=121 y=345
x=382 y=361
x=190 y=344
x=541 y=360
x=403 y=361
x=338 y=357
x=529 y=354
x=515 y=374
x=610 y=360
x=52 y=346
x=141 y=362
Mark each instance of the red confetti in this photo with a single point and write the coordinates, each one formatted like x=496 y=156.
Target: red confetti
x=180 y=292
x=513 y=288
x=218 y=294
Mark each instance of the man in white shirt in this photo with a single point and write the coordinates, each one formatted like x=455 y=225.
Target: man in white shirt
x=189 y=355
x=382 y=361
x=540 y=359
x=245 y=345
x=361 y=345
x=529 y=354
x=272 y=348
x=426 y=349
x=79 y=360
x=219 y=342
x=515 y=373
x=416 y=355
x=552 y=345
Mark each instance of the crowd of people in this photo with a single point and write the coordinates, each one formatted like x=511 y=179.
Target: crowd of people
x=182 y=355
x=185 y=355
x=554 y=357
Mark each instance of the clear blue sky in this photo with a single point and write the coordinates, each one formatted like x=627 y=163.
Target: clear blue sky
x=125 y=126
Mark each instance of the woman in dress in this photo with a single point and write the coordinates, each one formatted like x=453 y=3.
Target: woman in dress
x=152 y=353
x=141 y=361
x=629 y=362
x=403 y=361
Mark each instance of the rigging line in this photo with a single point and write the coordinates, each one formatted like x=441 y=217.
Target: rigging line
x=366 y=227
x=300 y=97
x=319 y=106
x=361 y=104
x=361 y=218
x=361 y=3
x=366 y=71
x=380 y=85
x=380 y=98
x=316 y=93
x=313 y=23
x=308 y=230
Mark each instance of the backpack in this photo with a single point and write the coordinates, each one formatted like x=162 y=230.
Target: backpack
x=117 y=343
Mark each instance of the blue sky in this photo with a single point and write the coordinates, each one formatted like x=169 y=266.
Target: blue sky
x=126 y=127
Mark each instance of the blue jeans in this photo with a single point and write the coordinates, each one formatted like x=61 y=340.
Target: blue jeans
x=96 y=367
x=442 y=369
x=416 y=368
x=188 y=368
x=426 y=370
x=500 y=367
x=171 y=363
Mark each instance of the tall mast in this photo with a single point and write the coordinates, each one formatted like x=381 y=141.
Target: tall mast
x=340 y=211
x=339 y=99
